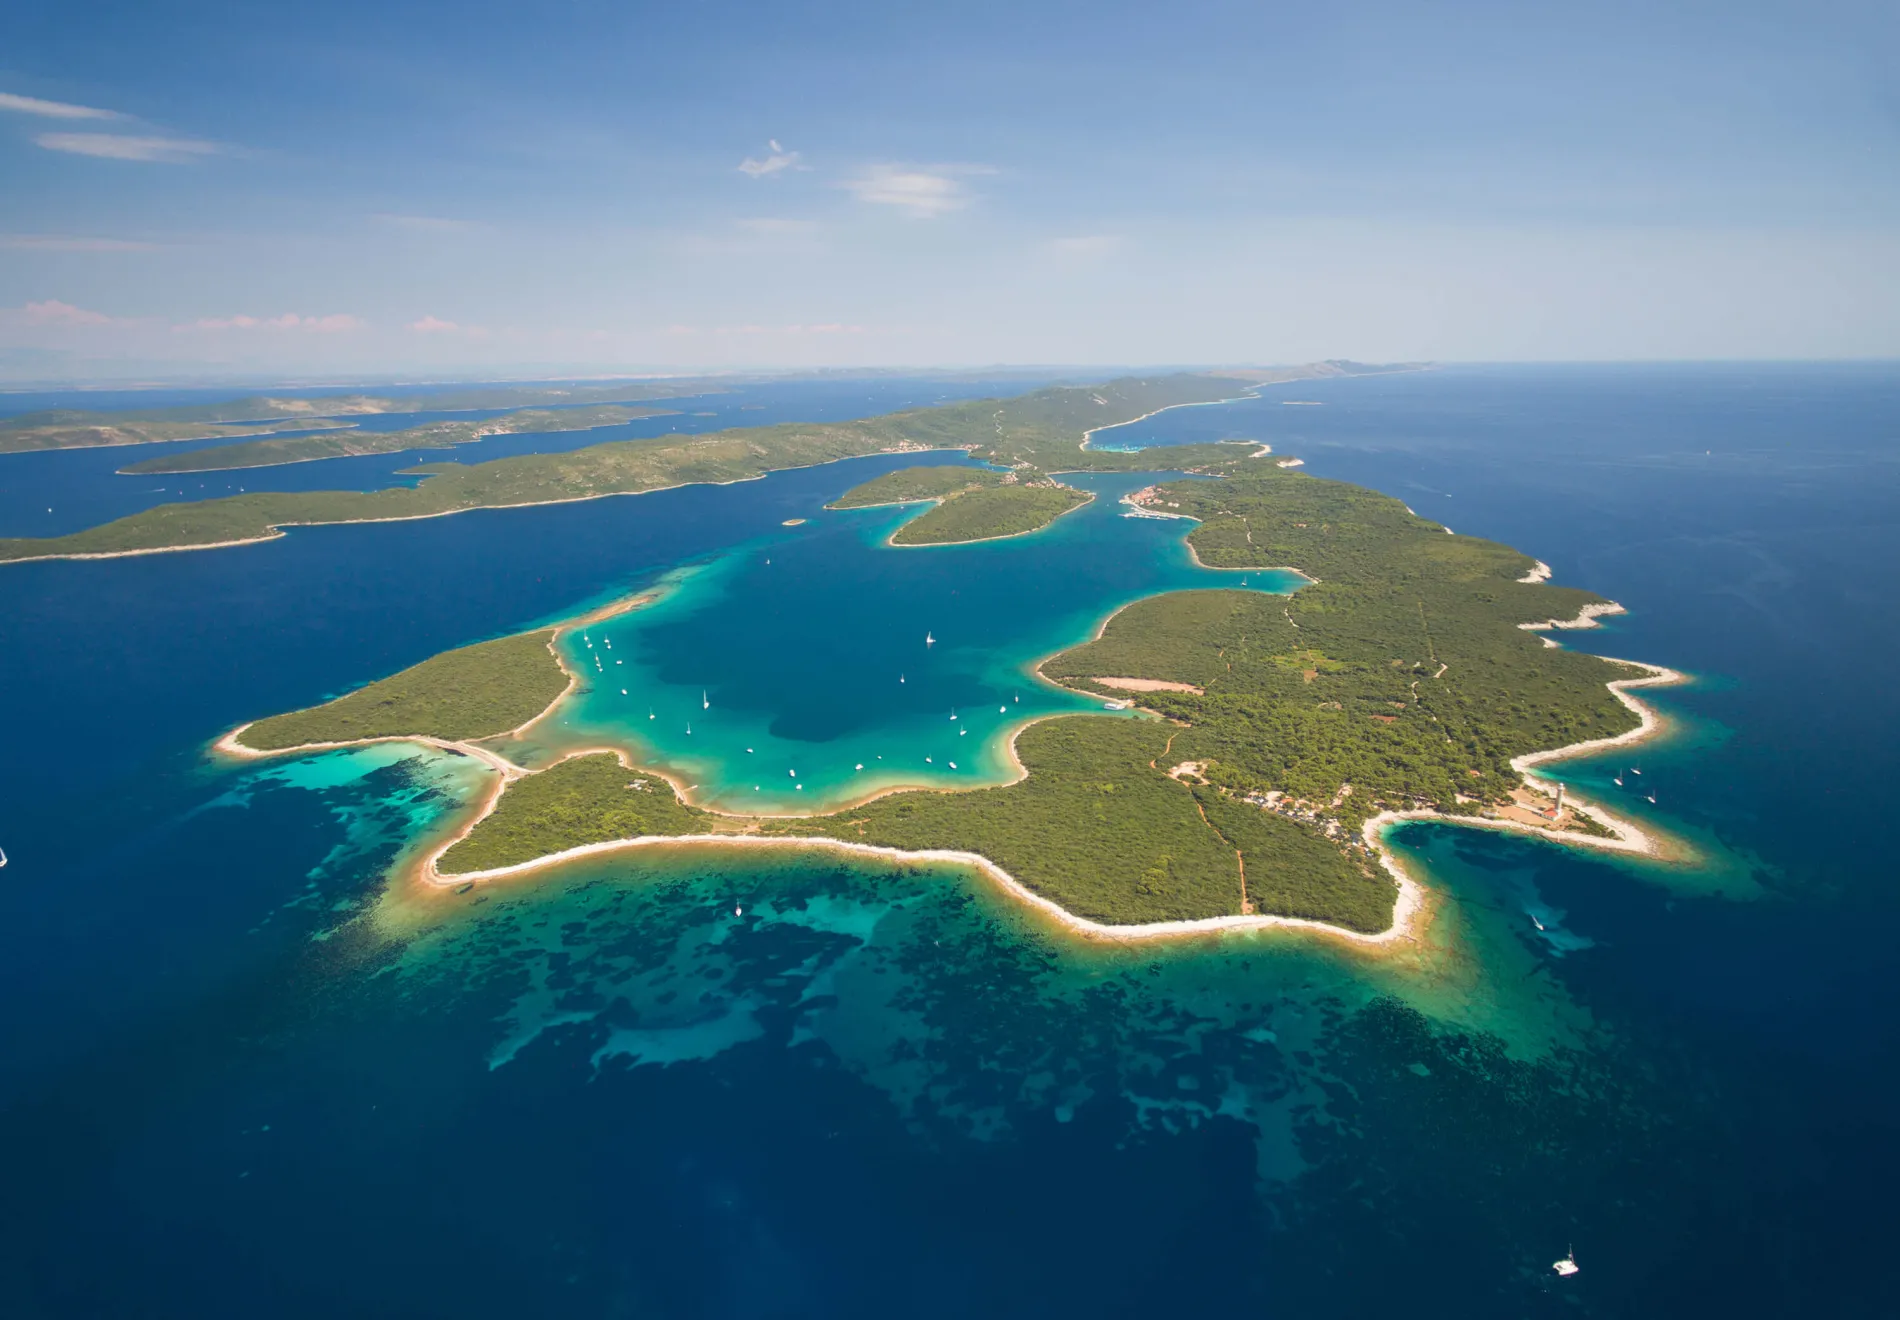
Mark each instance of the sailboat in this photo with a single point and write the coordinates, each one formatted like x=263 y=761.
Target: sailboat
x=953 y=712
x=928 y=639
x=689 y=728
x=900 y=678
x=3 y=856
x=650 y=714
x=1568 y=1265
x=1618 y=781
x=704 y=702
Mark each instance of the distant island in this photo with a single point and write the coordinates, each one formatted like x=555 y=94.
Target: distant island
x=265 y=414
x=1277 y=736
x=1045 y=431
x=430 y=435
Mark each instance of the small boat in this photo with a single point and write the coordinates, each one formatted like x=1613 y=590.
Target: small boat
x=792 y=773
x=623 y=692
x=1568 y=1265
x=1652 y=799
x=650 y=714
x=900 y=678
x=953 y=765
x=3 y=856
x=1534 y=921
x=929 y=640
x=704 y=703
x=1635 y=771
x=859 y=766
x=953 y=712
x=926 y=760
x=748 y=751
x=963 y=733
x=738 y=912
x=1002 y=710
x=689 y=728
x=1618 y=781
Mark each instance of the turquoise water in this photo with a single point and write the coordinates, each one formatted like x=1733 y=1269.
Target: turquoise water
x=821 y=664
x=242 y=1073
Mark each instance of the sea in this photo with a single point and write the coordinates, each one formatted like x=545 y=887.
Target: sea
x=248 y=1068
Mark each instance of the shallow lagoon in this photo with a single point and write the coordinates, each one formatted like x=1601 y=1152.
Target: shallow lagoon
x=764 y=678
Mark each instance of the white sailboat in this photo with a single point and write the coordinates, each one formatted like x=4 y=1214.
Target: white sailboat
x=705 y=703
x=929 y=640
x=1568 y=1265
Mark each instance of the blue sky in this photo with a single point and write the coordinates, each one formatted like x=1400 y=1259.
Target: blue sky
x=415 y=188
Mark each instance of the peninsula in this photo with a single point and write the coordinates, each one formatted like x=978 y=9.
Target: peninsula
x=1276 y=735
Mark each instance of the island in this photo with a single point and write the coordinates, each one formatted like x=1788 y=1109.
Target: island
x=1274 y=739
x=1047 y=430
x=970 y=504
x=430 y=435
x=264 y=414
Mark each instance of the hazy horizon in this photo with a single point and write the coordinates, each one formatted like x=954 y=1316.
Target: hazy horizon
x=486 y=191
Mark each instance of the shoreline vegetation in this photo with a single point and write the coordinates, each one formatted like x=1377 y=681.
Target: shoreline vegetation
x=968 y=504
x=1279 y=737
x=1035 y=431
x=351 y=443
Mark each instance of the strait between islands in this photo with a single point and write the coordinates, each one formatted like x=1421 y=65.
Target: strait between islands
x=1410 y=678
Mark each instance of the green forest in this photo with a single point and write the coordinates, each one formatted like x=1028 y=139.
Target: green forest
x=981 y=515
x=584 y=799
x=471 y=692
x=431 y=435
x=1042 y=430
x=912 y=484
x=1401 y=671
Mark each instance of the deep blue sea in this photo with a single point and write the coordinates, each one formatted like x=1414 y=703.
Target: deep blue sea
x=242 y=1073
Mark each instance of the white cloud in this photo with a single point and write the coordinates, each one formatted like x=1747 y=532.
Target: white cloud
x=1086 y=245
x=780 y=159
x=335 y=323
x=73 y=243
x=433 y=325
x=123 y=146
x=55 y=312
x=923 y=193
x=32 y=105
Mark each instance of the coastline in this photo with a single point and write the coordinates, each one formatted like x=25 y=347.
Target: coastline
x=278 y=530
x=1409 y=904
x=977 y=540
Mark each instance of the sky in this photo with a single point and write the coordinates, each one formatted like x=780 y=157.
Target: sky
x=420 y=189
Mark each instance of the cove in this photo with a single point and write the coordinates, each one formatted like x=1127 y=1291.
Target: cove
x=762 y=679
